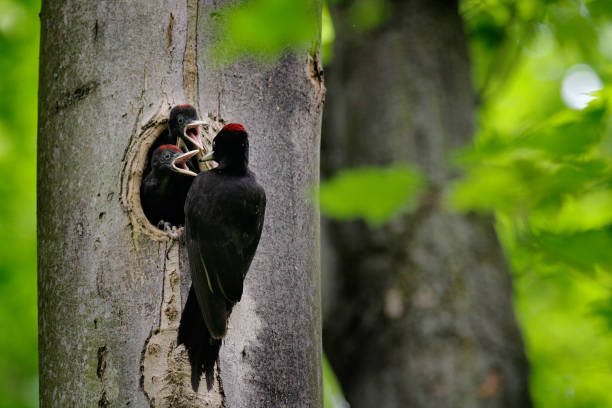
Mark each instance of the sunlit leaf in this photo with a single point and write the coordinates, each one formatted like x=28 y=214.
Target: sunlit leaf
x=488 y=189
x=573 y=27
x=568 y=132
x=603 y=310
x=584 y=250
x=327 y=36
x=267 y=28
x=332 y=392
x=13 y=19
x=582 y=213
x=375 y=194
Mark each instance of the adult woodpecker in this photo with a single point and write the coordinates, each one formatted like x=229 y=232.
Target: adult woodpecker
x=224 y=215
x=164 y=189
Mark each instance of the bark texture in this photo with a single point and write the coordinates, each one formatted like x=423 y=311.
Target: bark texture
x=110 y=283
x=418 y=313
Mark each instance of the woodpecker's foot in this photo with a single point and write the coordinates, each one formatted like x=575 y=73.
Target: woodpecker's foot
x=176 y=233
x=173 y=231
x=168 y=228
x=163 y=225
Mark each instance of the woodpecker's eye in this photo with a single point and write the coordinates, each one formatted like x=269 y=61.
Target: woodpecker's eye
x=181 y=120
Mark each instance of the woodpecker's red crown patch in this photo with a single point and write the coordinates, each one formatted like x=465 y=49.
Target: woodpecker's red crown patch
x=170 y=147
x=234 y=127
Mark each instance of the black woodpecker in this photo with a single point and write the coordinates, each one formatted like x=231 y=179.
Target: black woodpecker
x=184 y=127
x=164 y=189
x=224 y=215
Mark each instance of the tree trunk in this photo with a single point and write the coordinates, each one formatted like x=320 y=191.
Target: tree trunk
x=109 y=282
x=417 y=313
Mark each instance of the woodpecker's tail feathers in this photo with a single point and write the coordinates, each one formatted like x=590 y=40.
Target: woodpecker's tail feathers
x=202 y=349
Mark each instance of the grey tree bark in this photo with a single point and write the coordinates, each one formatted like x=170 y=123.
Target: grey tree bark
x=418 y=313
x=111 y=285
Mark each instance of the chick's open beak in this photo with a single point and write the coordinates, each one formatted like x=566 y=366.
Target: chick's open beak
x=179 y=164
x=192 y=133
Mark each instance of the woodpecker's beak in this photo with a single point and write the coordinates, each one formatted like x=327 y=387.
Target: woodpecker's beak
x=192 y=133
x=179 y=164
x=208 y=156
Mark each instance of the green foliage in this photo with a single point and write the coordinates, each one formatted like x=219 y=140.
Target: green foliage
x=368 y=14
x=327 y=36
x=540 y=167
x=545 y=171
x=569 y=349
x=332 y=393
x=375 y=194
x=19 y=29
x=266 y=29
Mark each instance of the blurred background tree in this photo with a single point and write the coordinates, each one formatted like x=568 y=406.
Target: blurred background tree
x=418 y=308
x=539 y=163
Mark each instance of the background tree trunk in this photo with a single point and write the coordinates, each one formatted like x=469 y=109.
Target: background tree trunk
x=109 y=282
x=417 y=313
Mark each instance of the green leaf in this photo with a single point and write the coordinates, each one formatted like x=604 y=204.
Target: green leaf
x=584 y=250
x=582 y=213
x=332 y=392
x=568 y=132
x=603 y=310
x=267 y=28
x=327 y=36
x=375 y=194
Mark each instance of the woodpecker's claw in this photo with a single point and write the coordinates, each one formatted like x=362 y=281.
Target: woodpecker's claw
x=175 y=233
x=167 y=227
x=171 y=230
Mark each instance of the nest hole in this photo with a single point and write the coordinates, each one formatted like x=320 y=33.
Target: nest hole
x=137 y=166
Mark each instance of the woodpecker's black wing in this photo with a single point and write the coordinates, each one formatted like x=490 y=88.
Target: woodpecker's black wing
x=224 y=220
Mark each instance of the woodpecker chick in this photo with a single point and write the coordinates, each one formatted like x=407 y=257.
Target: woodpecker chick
x=183 y=131
x=184 y=127
x=224 y=215
x=164 y=189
